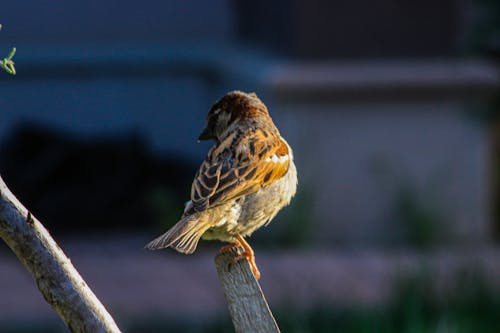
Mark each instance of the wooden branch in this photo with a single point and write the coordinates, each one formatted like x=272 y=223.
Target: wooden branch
x=59 y=282
x=247 y=305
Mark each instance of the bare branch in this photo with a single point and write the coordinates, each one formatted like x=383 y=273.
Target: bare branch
x=59 y=282
x=7 y=64
x=247 y=305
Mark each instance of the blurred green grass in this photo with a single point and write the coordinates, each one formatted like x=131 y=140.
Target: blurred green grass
x=413 y=312
x=415 y=309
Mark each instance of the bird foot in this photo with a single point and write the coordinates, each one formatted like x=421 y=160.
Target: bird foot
x=251 y=260
x=226 y=248
x=247 y=254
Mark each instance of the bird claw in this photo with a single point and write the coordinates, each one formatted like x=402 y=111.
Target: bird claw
x=251 y=261
x=228 y=247
x=247 y=254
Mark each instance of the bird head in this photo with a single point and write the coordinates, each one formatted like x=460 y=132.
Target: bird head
x=235 y=108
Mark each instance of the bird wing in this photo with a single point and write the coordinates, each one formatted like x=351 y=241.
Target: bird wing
x=238 y=166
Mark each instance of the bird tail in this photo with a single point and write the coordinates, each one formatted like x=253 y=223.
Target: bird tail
x=183 y=236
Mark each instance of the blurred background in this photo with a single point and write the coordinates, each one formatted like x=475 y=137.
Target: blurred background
x=391 y=107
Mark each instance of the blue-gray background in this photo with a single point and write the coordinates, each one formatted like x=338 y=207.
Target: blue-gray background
x=391 y=108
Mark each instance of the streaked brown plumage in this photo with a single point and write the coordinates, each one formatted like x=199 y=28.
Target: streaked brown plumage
x=246 y=178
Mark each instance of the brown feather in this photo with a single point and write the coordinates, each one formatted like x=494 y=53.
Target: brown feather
x=238 y=177
x=183 y=236
x=249 y=154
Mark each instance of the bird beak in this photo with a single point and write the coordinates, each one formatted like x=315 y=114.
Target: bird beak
x=205 y=135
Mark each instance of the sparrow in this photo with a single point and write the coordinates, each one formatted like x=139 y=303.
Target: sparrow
x=246 y=178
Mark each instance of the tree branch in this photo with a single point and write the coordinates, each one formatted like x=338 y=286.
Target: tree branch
x=247 y=305
x=7 y=64
x=59 y=282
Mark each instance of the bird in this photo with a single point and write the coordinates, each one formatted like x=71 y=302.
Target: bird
x=247 y=177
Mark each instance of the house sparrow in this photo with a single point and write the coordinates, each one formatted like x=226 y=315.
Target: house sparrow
x=246 y=178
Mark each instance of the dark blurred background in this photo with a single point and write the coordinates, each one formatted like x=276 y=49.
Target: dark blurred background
x=391 y=108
